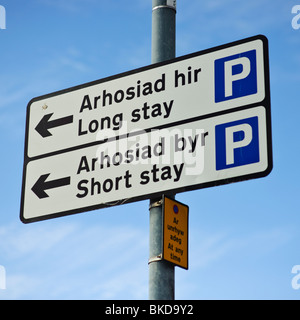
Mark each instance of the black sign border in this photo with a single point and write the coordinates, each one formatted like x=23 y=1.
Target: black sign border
x=266 y=103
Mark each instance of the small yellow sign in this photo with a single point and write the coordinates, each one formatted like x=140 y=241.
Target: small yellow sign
x=175 y=225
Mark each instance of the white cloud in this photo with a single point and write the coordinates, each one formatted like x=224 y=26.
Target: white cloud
x=215 y=247
x=70 y=261
x=210 y=249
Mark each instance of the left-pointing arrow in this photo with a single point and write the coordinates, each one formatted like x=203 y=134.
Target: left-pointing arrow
x=45 y=124
x=41 y=185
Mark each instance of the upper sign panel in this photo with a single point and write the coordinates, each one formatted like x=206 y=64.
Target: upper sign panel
x=200 y=84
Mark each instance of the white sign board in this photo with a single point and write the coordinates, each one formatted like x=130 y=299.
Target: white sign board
x=198 y=121
x=147 y=98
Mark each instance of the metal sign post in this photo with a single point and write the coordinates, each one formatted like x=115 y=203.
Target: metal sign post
x=161 y=272
x=180 y=124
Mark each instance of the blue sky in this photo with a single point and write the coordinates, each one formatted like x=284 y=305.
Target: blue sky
x=244 y=237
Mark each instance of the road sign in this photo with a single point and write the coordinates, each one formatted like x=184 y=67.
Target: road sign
x=201 y=153
x=175 y=232
x=199 y=84
x=203 y=120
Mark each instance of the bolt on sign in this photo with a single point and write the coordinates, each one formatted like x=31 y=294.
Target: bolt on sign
x=175 y=232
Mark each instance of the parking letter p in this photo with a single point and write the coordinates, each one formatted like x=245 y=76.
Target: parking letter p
x=231 y=77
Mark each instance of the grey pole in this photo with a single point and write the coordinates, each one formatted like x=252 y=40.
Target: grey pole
x=161 y=273
x=163 y=30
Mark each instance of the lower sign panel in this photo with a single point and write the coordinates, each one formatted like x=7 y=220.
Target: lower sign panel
x=202 y=153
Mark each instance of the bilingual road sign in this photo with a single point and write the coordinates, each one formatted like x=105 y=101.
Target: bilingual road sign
x=201 y=153
x=175 y=232
x=211 y=81
x=193 y=122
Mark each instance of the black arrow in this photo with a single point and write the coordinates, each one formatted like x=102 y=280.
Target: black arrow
x=41 y=185
x=44 y=125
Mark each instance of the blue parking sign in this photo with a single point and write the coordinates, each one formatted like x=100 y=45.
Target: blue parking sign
x=237 y=143
x=235 y=76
